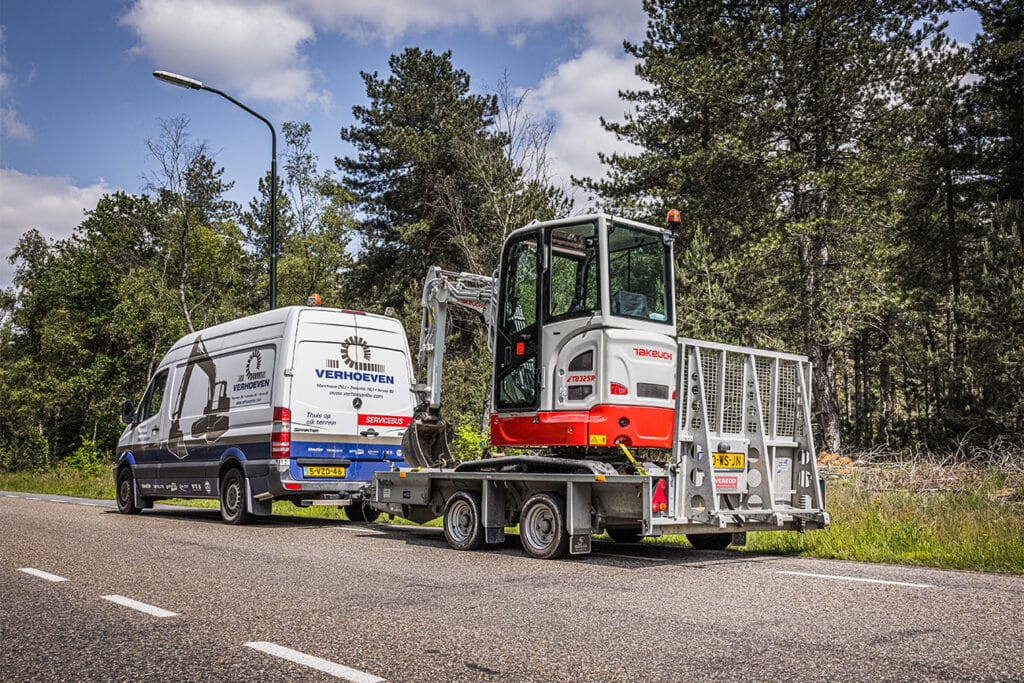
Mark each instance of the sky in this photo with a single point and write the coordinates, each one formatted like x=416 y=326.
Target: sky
x=78 y=100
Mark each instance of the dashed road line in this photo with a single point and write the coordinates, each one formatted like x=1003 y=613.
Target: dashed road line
x=32 y=498
x=90 y=504
x=39 y=573
x=325 y=665
x=859 y=579
x=140 y=606
x=11 y=495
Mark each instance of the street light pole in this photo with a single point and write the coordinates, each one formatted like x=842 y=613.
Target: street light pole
x=186 y=82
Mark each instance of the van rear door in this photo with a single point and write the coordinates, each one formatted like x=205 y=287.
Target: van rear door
x=351 y=397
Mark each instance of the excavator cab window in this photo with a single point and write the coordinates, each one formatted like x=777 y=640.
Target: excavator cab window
x=572 y=285
x=638 y=274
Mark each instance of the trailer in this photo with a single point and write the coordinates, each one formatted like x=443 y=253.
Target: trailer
x=742 y=459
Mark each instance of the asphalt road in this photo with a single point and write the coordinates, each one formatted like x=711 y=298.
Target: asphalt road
x=370 y=602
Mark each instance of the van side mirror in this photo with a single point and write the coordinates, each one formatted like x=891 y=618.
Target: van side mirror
x=128 y=412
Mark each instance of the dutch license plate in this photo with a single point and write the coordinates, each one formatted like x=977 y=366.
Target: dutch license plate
x=323 y=471
x=728 y=461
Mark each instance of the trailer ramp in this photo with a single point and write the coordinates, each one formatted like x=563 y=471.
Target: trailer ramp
x=743 y=451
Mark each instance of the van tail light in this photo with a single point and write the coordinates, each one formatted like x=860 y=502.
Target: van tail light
x=659 y=499
x=619 y=389
x=281 y=434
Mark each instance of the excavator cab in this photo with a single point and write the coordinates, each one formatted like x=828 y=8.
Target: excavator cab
x=584 y=335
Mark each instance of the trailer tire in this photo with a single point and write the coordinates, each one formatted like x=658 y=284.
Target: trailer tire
x=463 y=521
x=126 y=492
x=542 y=529
x=232 y=498
x=361 y=512
x=624 y=534
x=709 y=541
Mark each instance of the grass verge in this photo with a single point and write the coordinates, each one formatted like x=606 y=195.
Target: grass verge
x=933 y=517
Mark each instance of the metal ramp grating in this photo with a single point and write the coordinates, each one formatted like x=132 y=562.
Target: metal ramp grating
x=787 y=407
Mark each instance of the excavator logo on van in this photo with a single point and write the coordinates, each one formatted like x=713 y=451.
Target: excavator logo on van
x=355 y=353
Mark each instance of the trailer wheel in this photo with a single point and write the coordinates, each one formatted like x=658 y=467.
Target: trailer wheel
x=463 y=525
x=126 y=492
x=232 y=498
x=624 y=534
x=542 y=528
x=361 y=512
x=709 y=541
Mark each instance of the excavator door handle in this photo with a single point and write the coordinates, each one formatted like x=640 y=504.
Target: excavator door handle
x=371 y=432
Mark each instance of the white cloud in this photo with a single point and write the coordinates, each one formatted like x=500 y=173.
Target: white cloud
x=11 y=126
x=255 y=48
x=52 y=205
x=576 y=95
x=250 y=48
x=606 y=21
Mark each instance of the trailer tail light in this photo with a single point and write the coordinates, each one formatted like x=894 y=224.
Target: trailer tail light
x=659 y=499
x=281 y=434
x=619 y=389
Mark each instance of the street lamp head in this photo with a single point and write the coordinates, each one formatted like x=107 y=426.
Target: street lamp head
x=178 y=80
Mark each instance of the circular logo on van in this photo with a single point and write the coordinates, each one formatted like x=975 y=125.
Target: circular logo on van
x=355 y=352
x=253 y=366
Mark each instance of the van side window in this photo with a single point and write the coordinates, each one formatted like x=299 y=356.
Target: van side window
x=153 y=398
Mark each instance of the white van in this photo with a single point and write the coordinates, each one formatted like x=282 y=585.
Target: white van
x=299 y=403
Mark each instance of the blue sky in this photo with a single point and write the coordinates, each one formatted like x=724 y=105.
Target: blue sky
x=77 y=99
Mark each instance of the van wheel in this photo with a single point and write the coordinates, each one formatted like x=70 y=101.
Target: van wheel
x=361 y=512
x=232 y=498
x=463 y=522
x=709 y=541
x=126 y=492
x=542 y=527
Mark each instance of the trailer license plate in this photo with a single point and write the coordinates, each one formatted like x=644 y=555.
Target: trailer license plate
x=728 y=461
x=323 y=471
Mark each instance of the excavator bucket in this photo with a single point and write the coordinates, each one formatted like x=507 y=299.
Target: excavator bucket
x=425 y=444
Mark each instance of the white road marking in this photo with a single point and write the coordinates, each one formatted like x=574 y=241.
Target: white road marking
x=41 y=574
x=10 y=495
x=855 y=578
x=631 y=557
x=32 y=498
x=140 y=606
x=90 y=504
x=325 y=665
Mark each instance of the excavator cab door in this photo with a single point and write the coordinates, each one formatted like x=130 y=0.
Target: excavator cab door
x=517 y=344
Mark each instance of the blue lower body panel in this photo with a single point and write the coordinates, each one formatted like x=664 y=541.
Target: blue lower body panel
x=360 y=460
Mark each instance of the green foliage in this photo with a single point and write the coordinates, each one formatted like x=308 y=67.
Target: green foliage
x=88 y=458
x=857 y=202
x=469 y=441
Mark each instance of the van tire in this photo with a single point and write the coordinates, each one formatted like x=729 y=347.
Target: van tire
x=232 y=498
x=463 y=521
x=126 y=492
x=361 y=512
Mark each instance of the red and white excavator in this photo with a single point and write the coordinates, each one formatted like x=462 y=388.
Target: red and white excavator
x=586 y=367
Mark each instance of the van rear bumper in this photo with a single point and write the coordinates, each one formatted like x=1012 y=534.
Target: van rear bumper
x=264 y=477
